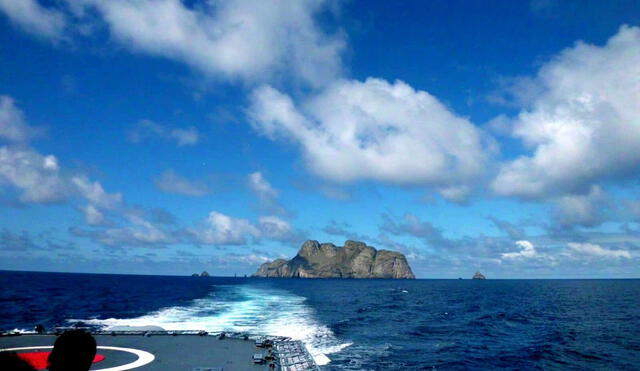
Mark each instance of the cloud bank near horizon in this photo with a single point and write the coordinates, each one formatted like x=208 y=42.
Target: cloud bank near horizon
x=346 y=131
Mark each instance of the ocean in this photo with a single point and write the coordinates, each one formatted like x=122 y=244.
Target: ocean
x=360 y=324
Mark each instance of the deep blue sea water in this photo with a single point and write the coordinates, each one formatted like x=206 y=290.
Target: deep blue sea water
x=361 y=324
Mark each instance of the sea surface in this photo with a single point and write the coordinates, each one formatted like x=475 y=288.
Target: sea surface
x=360 y=324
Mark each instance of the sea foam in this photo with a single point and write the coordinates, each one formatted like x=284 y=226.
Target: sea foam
x=255 y=310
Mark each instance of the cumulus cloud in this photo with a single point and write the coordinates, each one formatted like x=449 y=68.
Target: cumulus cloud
x=129 y=227
x=95 y=193
x=267 y=195
x=142 y=231
x=34 y=18
x=250 y=41
x=13 y=126
x=514 y=231
x=411 y=225
x=336 y=228
x=243 y=259
x=582 y=125
x=527 y=250
x=37 y=177
x=10 y=241
x=376 y=130
x=595 y=250
x=261 y=186
x=583 y=210
x=93 y=216
x=221 y=229
x=278 y=229
x=136 y=231
x=146 y=129
x=169 y=181
x=185 y=137
x=125 y=226
x=246 y=39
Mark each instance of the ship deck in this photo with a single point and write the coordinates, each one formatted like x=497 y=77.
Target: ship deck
x=160 y=351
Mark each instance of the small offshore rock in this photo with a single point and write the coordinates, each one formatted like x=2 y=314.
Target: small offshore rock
x=479 y=276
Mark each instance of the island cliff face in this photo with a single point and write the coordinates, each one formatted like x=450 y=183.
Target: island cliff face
x=354 y=260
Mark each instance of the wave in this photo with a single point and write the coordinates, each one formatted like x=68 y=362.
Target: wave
x=260 y=311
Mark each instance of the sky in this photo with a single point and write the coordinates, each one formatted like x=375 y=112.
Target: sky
x=172 y=137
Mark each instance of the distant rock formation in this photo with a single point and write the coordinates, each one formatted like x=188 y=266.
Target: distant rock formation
x=479 y=276
x=354 y=260
x=195 y=275
x=204 y=274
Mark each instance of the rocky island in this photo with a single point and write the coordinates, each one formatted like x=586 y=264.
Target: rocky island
x=353 y=260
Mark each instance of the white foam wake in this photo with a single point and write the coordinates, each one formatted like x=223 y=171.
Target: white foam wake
x=262 y=311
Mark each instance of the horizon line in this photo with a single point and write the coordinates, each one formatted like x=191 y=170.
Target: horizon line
x=345 y=279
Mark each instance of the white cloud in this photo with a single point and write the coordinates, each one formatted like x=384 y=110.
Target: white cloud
x=146 y=129
x=95 y=194
x=185 y=137
x=261 y=186
x=39 y=177
x=598 y=251
x=267 y=195
x=582 y=125
x=12 y=241
x=13 y=126
x=376 y=130
x=137 y=232
x=143 y=231
x=585 y=210
x=250 y=40
x=249 y=259
x=411 y=225
x=36 y=176
x=221 y=229
x=34 y=18
x=169 y=181
x=93 y=216
x=513 y=230
x=274 y=228
x=457 y=194
x=527 y=250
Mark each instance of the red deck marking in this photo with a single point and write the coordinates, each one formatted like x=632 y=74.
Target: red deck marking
x=39 y=360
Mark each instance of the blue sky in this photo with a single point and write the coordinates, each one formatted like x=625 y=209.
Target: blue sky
x=168 y=137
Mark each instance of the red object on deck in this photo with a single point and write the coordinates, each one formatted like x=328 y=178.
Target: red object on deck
x=40 y=360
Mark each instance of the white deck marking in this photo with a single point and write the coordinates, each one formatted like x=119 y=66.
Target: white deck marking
x=143 y=357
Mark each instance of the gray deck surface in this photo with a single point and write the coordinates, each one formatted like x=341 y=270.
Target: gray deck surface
x=174 y=353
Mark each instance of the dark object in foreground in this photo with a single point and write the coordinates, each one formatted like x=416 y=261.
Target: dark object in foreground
x=39 y=329
x=10 y=361
x=74 y=350
x=479 y=276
